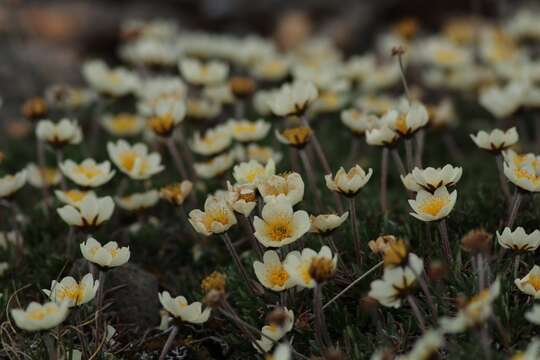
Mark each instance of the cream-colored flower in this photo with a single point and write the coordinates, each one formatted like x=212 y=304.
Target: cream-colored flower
x=179 y=308
x=138 y=201
x=10 y=238
x=214 y=141
x=203 y=108
x=531 y=353
x=134 y=160
x=274 y=332
x=88 y=173
x=216 y=218
x=533 y=315
x=407 y=120
x=518 y=240
x=72 y=197
x=40 y=177
x=261 y=101
x=382 y=136
x=357 y=121
x=444 y=54
x=10 y=184
x=477 y=310
x=262 y=154
x=248 y=131
x=197 y=73
x=426 y=347
x=271 y=69
x=289 y=185
x=348 y=183
x=241 y=198
x=530 y=284
x=219 y=93
x=38 y=317
x=115 y=82
x=253 y=173
x=496 y=140
x=383 y=242
x=525 y=177
x=433 y=206
x=298 y=264
x=64 y=132
x=167 y=114
x=393 y=287
x=430 y=179
x=293 y=99
x=280 y=225
x=297 y=137
x=106 y=256
x=503 y=102
x=513 y=158
x=271 y=273
x=73 y=292
x=216 y=166
x=176 y=193
x=123 y=124
x=326 y=223
x=91 y=211
x=282 y=352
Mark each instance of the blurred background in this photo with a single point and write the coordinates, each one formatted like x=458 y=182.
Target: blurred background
x=44 y=41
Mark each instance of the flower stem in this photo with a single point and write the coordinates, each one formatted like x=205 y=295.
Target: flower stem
x=311 y=179
x=48 y=341
x=517 y=261
x=502 y=177
x=514 y=209
x=60 y=160
x=409 y=154
x=170 y=341
x=99 y=310
x=239 y=265
x=399 y=163
x=384 y=181
x=420 y=141
x=178 y=163
x=45 y=191
x=481 y=272
x=354 y=229
x=250 y=231
x=417 y=313
x=321 y=332
x=402 y=74
x=443 y=230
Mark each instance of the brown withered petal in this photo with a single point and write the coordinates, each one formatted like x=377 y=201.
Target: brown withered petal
x=368 y=304
x=477 y=240
x=437 y=271
x=215 y=281
x=278 y=316
x=321 y=269
x=242 y=87
x=34 y=108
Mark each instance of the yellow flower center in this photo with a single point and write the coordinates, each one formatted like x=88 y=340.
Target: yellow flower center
x=401 y=124
x=218 y=215
x=253 y=174
x=534 y=280
x=48 y=174
x=88 y=171
x=123 y=123
x=433 y=205
x=279 y=228
x=277 y=276
x=523 y=173
x=244 y=127
x=395 y=253
x=73 y=292
x=303 y=270
x=446 y=56
x=161 y=124
x=518 y=356
x=128 y=158
x=41 y=313
x=330 y=99
x=297 y=135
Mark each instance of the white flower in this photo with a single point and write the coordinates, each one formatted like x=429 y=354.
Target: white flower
x=280 y=225
x=533 y=315
x=407 y=120
x=138 y=201
x=88 y=173
x=271 y=273
x=10 y=238
x=10 y=184
x=214 y=141
x=216 y=218
x=530 y=284
x=246 y=131
x=40 y=177
x=298 y=264
x=348 y=183
x=59 y=134
x=358 y=122
x=444 y=54
x=275 y=332
x=176 y=193
x=123 y=124
x=107 y=256
x=382 y=136
x=195 y=72
x=219 y=93
x=431 y=207
x=282 y=352
x=289 y=185
x=430 y=179
x=531 y=353
x=116 y=82
x=203 y=108
x=216 y=166
x=293 y=99
x=503 y=102
x=72 y=197
x=262 y=154
x=241 y=198
x=91 y=211
x=393 y=287
x=40 y=317
x=252 y=172
x=134 y=160
x=525 y=177
x=179 y=308
x=496 y=140
x=426 y=347
x=326 y=223
x=73 y=292
x=166 y=115
x=518 y=240
x=478 y=309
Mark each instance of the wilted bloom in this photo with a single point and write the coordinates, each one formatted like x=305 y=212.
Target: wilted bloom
x=38 y=317
x=293 y=99
x=297 y=137
x=252 y=172
x=197 y=73
x=214 y=141
x=134 y=160
x=496 y=140
x=72 y=197
x=427 y=347
x=35 y=108
x=518 y=240
x=246 y=131
x=64 y=132
x=325 y=224
x=88 y=173
x=275 y=331
x=396 y=284
x=299 y=265
x=289 y=185
x=379 y=245
x=10 y=184
x=138 y=201
x=348 y=183
x=397 y=254
x=216 y=281
x=242 y=87
x=167 y=114
x=123 y=124
x=431 y=207
x=181 y=310
x=477 y=241
x=477 y=310
x=280 y=224
x=216 y=166
x=91 y=211
x=430 y=179
x=106 y=256
x=73 y=292
x=40 y=177
x=241 y=198
x=271 y=273
x=525 y=177
x=216 y=218
x=115 y=82
x=408 y=120
x=530 y=284
x=176 y=193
